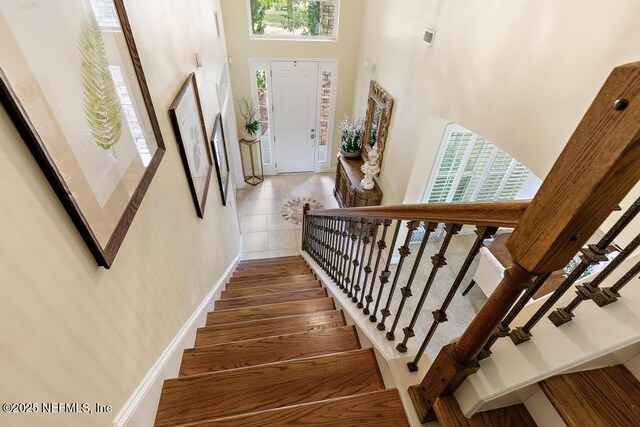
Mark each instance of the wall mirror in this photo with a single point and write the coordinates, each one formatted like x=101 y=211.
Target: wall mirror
x=379 y=106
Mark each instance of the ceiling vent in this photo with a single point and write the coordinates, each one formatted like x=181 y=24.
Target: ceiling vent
x=428 y=37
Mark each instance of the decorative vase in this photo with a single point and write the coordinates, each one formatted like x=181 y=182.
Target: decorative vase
x=350 y=154
x=370 y=169
x=248 y=136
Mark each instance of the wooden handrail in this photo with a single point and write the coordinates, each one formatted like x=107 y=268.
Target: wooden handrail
x=597 y=168
x=491 y=214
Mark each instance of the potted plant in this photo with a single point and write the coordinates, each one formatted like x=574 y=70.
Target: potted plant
x=251 y=115
x=352 y=134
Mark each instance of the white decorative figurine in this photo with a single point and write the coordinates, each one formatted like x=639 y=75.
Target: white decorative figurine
x=370 y=169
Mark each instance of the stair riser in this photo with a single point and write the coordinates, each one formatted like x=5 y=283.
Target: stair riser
x=284 y=268
x=287 y=273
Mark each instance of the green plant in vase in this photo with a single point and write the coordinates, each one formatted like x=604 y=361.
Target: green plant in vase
x=250 y=113
x=352 y=132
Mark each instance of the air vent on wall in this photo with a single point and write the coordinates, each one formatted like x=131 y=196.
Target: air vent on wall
x=428 y=37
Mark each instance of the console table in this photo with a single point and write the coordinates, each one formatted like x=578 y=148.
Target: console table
x=348 y=190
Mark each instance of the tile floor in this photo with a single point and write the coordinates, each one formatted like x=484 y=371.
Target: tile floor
x=267 y=234
x=265 y=231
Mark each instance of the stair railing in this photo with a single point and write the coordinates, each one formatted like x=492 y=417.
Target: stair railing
x=597 y=168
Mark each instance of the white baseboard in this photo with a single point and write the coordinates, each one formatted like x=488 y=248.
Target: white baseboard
x=140 y=410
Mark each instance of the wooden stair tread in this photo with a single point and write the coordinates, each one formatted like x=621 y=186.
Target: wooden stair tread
x=263 y=276
x=298 y=295
x=271 y=270
x=373 y=409
x=271 y=282
x=218 y=334
x=449 y=414
x=269 y=311
x=262 y=290
x=260 y=351
x=599 y=397
x=233 y=392
x=270 y=261
x=272 y=266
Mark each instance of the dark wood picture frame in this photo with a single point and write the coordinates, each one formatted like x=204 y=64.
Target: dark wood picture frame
x=378 y=98
x=219 y=130
x=103 y=254
x=199 y=202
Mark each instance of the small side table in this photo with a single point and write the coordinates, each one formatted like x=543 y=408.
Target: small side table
x=253 y=179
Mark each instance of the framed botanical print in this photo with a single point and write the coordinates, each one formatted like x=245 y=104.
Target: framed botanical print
x=72 y=83
x=219 y=148
x=191 y=135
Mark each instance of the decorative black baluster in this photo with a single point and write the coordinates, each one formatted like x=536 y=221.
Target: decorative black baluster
x=367 y=269
x=503 y=328
x=323 y=243
x=440 y=316
x=386 y=273
x=406 y=290
x=381 y=246
x=344 y=237
x=593 y=254
x=587 y=290
x=404 y=253
x=365 y=242
x=354 y=238
x=355 y=261
x=606 y=296
x=333 y=249
x=438 y=260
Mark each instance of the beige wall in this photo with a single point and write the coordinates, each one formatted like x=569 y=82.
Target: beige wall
x=72 y=332
x=241 y=48
x=521 y=73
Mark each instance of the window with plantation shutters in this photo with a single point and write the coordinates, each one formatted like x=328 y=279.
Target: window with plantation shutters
x=470 y=168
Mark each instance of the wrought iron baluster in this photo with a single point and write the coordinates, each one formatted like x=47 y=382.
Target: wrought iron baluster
x=503 y=328
x=367 y=269
x=365 y=242
x=440 y=316
x=593 y=254
x=333 y=249
x=386 y=273
x=355 y=260
x=353 y=237
x=438 y=261
x=587 y=290
x=381 y=246
x=323 y=243
x=404 y=253
x=406 y=290
x=606 y=296
x=344 y=237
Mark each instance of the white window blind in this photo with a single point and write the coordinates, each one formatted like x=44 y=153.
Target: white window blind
x=471 y=169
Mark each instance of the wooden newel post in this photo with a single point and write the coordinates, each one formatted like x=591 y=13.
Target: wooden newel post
x=305 y=224
x=597 y=168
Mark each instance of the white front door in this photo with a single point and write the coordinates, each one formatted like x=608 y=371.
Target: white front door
x=295 y=102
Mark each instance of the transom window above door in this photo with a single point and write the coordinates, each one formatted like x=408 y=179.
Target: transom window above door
x=294 y=19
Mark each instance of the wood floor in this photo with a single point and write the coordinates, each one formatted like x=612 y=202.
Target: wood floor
x=276 y=352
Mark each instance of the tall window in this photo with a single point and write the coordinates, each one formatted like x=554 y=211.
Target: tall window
x=473 y=169
x=263 y=104
x=294 y=18
x=325 y=114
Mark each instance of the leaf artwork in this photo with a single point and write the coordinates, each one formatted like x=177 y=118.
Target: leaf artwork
x=195 y=137
x=101 y=103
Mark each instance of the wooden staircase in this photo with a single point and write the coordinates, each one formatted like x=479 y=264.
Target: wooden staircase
x=275 y=351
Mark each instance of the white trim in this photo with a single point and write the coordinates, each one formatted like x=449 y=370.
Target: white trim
x=331 y=39
x=334 y=68
x=141 y=407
